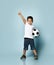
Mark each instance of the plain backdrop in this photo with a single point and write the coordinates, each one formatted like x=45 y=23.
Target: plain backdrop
x=12 y=27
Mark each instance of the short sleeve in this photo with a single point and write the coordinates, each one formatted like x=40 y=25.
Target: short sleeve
x=26 y=23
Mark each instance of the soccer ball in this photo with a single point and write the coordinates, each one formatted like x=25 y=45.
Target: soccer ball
x=35 y=32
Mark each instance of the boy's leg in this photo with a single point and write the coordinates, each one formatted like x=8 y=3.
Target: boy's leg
x=33 y=48
x=24 y=52
x=34 y=51
x=35 y=54
x=26 y=43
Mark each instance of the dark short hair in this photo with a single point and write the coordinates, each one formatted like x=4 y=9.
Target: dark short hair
x=30 y=17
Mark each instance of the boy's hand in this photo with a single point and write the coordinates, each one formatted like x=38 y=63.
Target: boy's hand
x=19 y=13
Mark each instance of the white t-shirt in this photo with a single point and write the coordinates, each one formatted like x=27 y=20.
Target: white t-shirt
x=28 y=30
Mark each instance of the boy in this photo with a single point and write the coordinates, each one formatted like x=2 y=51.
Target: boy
x=28 y=37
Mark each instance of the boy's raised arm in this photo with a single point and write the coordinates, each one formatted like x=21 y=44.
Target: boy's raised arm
x=22 y=17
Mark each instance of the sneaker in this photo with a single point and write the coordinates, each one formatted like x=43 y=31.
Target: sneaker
x=23 y=57
x=36 y=57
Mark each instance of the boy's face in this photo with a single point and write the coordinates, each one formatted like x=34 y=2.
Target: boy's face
x=30 y=21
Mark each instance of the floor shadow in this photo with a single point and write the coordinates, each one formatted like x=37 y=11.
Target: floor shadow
x=24 y=61
x=39 y=44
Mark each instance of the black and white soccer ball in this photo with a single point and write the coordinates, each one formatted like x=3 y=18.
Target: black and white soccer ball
x=35 y=33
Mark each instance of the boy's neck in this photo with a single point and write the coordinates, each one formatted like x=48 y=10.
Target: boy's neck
x=29 y=24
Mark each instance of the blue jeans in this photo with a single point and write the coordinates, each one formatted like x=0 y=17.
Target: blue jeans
x=27 y=42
